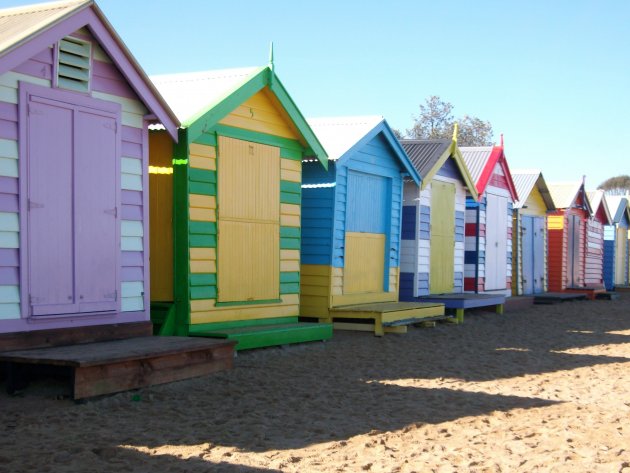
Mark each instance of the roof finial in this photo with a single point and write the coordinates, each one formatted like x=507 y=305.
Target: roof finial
x=271 y=55
x=501 y=140
x=455 y=130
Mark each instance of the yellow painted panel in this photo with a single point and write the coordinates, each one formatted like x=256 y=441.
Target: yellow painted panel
x=203 y=163
x=442 y=250
x=248 y=181
x=289 y=266
x=203 y=201
x=203 y=254
x=203 y=266
x=203 y=151
x=243 y=313
x=249 y=261
x=290 y=255
x=264 y=114
x=292 y=176
x=555 y=222
x=290 y=209
x=364 y=262
x=534 y=205
x=620 y=256
x=291 y=165
x=290 y=220
x=393 y=279
x=349 y=299
x=202 y=215
x=202 y=305
x=161 y=217
x=315 y=270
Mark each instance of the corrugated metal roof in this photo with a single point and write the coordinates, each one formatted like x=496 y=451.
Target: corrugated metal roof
x=189 y=94
x=617 y=205
x=476 y=158
x=338 y=134
x=19 y=23
x=424 y=154
x=524 y=181
x=564 y=193
x=595 y=198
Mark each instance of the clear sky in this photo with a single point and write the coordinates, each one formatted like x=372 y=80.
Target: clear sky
x=552 y=75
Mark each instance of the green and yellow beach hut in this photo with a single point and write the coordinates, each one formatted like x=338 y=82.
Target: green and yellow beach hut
x=226 y=207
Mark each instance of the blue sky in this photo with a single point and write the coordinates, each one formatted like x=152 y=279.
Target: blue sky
x=552 y=76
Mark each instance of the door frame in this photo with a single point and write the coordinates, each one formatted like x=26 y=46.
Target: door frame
x=25 y=91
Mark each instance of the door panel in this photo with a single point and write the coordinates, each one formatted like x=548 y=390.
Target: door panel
x=496 y=242
x=527 y=256
x=442 y=237
x=96 y=229
x=50 y=202
x=364 y=263
x=573 y=251
x=539 y=254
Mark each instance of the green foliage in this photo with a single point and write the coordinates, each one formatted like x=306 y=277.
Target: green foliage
x=618 y=185
x=436 y=121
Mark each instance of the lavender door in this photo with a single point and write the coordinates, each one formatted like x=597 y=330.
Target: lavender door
x=72 y=225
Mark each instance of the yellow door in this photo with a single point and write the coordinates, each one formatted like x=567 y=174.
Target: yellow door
x=364 y=263
x=620 y=256
x=442 y=264
x=248 y=247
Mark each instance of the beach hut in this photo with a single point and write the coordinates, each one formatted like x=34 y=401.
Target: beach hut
x=566 y=229
x=488 y=231
x=432 y=247
x=74 y=110
x=225 y=205
x=351 y=227
x=529 y=235
x=594 y=241
x=616 y=243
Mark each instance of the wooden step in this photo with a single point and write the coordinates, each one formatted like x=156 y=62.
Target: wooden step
x=389 y=314
x=258 y=336
x=119 y=365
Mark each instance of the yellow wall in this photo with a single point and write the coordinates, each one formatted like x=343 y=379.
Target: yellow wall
x=535 y=205
x=262 y=113
x=364 y=262
x=161 y=216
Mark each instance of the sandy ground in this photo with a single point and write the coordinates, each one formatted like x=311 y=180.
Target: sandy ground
x=542 y=389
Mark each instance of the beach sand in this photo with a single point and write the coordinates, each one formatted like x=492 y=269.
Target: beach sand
x=541 y=389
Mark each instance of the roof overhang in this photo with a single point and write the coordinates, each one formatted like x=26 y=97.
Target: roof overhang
x=496 y=156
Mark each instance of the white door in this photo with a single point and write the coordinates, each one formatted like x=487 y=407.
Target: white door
x=496 y=242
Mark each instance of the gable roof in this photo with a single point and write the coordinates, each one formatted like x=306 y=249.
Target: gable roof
x=202 y=99
x=618 y=206
x=564 y=194
x=341 y=136
x=481 y=161
x=598 y=201
x=524 y=181
x=27 y=30
x=428 y=156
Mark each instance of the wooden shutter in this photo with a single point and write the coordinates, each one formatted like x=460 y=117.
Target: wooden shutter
x=248 y=248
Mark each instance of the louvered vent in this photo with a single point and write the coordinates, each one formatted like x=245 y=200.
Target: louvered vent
x=73 y=65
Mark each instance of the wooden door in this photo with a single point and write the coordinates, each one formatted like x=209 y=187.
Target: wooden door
x=539 y=255
x=368 y=203
x=621 y=256
x=496 y=242
x=573 y=251
x=442 y=254
x=248 y=247
x=527 y=254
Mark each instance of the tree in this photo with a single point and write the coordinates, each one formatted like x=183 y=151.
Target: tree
x=436 y=121
x=618 y=185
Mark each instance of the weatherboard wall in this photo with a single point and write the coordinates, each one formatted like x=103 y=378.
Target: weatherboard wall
x=616 y=253
x=415 y=266
x=107 y=85
x=336 y=210
x=594 y=250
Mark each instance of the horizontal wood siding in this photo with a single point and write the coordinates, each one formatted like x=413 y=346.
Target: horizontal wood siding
x=317 y=213
x=315 y=292
x=557 y=244
x=594 y=253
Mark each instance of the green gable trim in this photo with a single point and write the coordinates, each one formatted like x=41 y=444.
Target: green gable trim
x=289 y=243
x=292 y=187
x=287 y=198
x=203 y=228
x=208 y=279
x=203 y=292
x=202 y=241
x=290 y=277
x=203 y=188
x=290 y=288
x=290 y=232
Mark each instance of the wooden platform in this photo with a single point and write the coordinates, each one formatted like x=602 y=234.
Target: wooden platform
x=622 y=288
x=608 y=296
x=589 y=292
x=119 y=365
x=459 y=302
x=258 y=335
x=386 y=316
x=518 y=303
x=557 y=297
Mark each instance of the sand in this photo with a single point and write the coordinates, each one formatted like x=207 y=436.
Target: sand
x=542 y=389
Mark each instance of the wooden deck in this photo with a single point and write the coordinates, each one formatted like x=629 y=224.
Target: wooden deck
x=557 y=297
x=608 y=296
x=589 y=292
x=459 y=302
x=119 y=365
x=387 y=317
